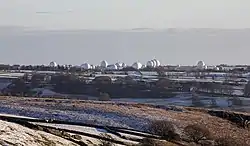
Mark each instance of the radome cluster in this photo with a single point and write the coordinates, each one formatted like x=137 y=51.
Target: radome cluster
x=154 y=63
x=119 y=65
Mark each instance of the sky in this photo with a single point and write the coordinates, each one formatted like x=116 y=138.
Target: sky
x=170 y=47
x=125 y=14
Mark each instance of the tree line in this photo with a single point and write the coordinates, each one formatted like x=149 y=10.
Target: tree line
x=75 y=84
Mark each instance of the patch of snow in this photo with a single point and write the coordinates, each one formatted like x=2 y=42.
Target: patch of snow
x=15 y=134
x=91 y=116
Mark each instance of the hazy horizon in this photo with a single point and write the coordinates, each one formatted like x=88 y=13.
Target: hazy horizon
x=79 y=31
x=172 y=46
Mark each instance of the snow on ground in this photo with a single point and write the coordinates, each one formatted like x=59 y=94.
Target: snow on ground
x=128 y=115
x=90 y=130
x=95 y=115
x=15 y=116
x=91 y=116
x=14 y=134
x=12 y=74
x=29 y=141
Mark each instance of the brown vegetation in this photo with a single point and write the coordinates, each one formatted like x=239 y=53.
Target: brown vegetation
x=165 y=129
x=218 y=127
x=196 y=133
x=229 y=141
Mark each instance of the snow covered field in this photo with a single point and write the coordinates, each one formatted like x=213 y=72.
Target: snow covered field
x=64 y=112
x=14 y=134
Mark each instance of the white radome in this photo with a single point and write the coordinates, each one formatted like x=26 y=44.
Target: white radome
x=104 y=64
x=124 y=65
x=112 y=67
x=154 y=63
x=157 y=62
x=201 y=65
x=150 y=64
x=53 y=64
x=86 y=66
x=137 y=65
x=93 y=66
x=216 y=68
x=118 y=64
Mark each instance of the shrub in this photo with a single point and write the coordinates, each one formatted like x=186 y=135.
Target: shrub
x=195 y=133
x=229 y=141
x=165 y=129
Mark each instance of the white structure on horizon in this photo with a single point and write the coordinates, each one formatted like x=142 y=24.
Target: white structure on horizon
x=112 y=67
x=53 y=64
x=104 y=64
x=201 y=65
x=153 y=63
x=150 y=64
x=86 y=66
x=93 y=67
x=137 y=65
x=119 y=64
x=124 y=65
x=216 y=68
x=157 y=62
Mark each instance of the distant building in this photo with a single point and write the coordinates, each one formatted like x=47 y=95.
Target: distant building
x=86 y=66
x=153 y=63
x=104 y=64
x=137 y=65
x=201 y=65
x=112 y=67
x=53 y=64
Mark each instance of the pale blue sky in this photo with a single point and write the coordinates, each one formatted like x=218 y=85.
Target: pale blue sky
x=124 y=14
